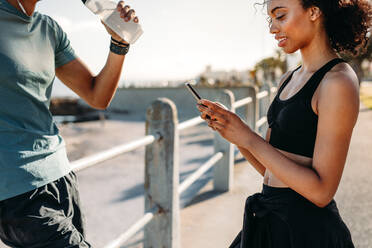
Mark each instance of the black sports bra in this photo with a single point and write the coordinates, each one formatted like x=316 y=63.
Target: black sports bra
x=293 y=122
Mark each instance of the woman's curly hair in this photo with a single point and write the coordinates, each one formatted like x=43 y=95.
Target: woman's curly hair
x=347 y=22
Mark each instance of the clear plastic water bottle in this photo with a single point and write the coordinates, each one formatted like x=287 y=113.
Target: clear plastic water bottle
x=106 y=10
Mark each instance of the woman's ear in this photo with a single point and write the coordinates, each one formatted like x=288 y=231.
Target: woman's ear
x=315 y=13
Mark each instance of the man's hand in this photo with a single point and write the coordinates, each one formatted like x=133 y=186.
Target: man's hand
x=127 y=14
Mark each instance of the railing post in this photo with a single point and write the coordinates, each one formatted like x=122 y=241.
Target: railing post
x=271 y=94
x=264 y=106
x=223 y=172
x=253 y=108
x=162 y=176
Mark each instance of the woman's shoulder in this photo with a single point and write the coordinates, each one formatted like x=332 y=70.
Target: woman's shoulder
x=340 y=87
x=341 y=76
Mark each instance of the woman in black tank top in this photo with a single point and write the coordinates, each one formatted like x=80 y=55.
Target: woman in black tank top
x=315 y=121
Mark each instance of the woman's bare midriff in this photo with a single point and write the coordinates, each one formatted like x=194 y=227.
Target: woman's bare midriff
x=271 y=180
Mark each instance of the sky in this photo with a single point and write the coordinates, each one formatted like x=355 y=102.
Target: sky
x=180 y=37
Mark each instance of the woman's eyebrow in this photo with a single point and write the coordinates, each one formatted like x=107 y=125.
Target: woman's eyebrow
x=276 y=8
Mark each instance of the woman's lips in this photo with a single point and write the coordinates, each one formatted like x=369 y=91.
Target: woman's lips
x=282 y=42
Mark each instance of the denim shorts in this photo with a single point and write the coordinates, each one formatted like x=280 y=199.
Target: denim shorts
x=49 y=216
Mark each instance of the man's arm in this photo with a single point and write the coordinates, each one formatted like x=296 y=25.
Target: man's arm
x=99 y=90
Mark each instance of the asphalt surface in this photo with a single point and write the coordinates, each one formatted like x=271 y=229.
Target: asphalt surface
x=112 y=192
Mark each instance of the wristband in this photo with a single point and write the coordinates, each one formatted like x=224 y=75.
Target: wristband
x=119 y=42
x=120 y=50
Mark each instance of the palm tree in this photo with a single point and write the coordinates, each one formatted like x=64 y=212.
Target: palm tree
x=271 y=64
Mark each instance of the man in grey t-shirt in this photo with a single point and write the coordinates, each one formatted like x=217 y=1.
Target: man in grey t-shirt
x=39 y=203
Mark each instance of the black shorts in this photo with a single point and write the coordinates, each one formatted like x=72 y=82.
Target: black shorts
x=278 y=235
x=282 y=218
x=49 y=216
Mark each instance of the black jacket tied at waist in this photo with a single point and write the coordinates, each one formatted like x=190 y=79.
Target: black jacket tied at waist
x=309 y=226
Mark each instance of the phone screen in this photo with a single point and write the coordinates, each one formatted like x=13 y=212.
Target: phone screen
x=193 y=92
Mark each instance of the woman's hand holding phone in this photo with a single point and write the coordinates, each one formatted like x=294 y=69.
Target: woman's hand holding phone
x=195 y=95
x=220 y=119
x=204 y=110
x=227 y=123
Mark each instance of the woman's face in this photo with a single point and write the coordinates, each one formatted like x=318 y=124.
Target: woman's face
x=291 y=24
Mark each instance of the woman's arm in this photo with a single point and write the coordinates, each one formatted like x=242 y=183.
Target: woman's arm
x=99 y=90
x=338 y=108
x=249 y=156
x=252 y=159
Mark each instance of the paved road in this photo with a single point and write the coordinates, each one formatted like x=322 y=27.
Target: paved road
x=112 y=197
x=112 y=193
x=355 y=192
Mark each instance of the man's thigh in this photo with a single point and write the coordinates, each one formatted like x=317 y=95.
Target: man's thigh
x=46 y=217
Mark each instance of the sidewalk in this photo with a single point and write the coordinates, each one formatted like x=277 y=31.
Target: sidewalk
x=213 y=220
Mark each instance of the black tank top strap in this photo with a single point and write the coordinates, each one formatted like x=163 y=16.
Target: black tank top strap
x=286 y=81
x=317 y=77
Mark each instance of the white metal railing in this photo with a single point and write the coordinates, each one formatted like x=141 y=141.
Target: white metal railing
x=190 y=123
x=113 y=152
x=262 y=94
x=163 y=134
x=261 y=121
x=136 y=227
x=198 y=173
x=242 y=102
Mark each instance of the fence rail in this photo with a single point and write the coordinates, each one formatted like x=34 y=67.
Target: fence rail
x=113 y=152
x=190 y=123
x=162 y=187
x=262 y=94
x=198 y=173
x=136 y=227
x=243 y=102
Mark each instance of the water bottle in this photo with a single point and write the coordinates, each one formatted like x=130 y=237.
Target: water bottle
x=106 y=10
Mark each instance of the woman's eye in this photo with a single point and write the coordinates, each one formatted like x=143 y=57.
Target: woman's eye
x=280 y=17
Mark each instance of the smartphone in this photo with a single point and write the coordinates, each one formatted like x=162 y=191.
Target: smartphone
x=193 y=92
x=195 y=95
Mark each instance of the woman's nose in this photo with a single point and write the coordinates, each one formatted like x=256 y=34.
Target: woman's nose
x=273 y=28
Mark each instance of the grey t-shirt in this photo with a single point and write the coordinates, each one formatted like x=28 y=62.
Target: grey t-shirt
x=32 y=153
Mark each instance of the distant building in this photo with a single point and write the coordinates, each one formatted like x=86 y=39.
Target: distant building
x=215 y=78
